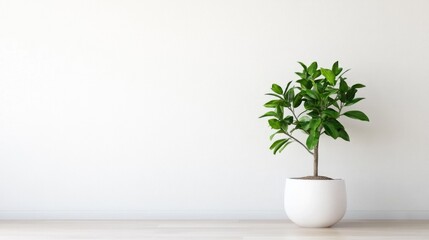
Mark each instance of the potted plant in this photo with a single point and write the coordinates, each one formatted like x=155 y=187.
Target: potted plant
x=313 y=106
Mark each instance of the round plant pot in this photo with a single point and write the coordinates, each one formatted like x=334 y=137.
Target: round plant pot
x=315 y=203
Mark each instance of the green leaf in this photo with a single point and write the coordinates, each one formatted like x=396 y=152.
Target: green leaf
x=280 y=112
x=342 y=97
x=287 y=86
x=357 y=115
x=314 y=113
x=309 y=105
x=274 y=134
x=312 y=68
x=331 y=90
x=288 y=120
x=273 y=103
x=358 y=85
x=303 y=123
x=278 y=144
x=275 y=95
x=333 y=102
x=284 y=126
x=290 y=95
x=269 y=114
x=331 y=129
x=343 y=134
x=305 y=84
x=298 y=100
x=351 y=94
x=301 y=75
x=312 y=141
x=284 y=145
x=343 y=86
x=275 y=143
x=336 y=123
x=303 y=66
x=277 y=89
x=315 y=123
x=335 y=69
x=305 y=119
x=329 y=75
x=274 y=123
x=316 y=74
x=354 y=101
x=312 y=94
x=330 y=113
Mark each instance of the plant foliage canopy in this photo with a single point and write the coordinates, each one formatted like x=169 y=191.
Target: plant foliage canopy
x=312 y=104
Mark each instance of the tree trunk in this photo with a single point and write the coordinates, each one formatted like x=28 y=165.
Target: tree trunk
x=316 y=160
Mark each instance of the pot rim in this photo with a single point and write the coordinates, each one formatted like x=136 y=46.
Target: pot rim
x=314 y=180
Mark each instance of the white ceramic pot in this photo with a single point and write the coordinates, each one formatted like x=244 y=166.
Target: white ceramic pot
x=315 y=203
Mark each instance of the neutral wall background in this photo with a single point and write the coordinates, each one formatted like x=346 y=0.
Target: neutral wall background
x=149 y=109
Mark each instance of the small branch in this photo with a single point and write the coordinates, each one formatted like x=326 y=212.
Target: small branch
x=341 y=108
x=299 y=142
x=299 y=115
x=343 y=73
x=293 y=113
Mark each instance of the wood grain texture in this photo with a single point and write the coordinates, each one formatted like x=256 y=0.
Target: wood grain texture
x=210 y=230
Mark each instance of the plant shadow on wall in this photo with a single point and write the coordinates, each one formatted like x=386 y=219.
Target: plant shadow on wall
x=314 y=105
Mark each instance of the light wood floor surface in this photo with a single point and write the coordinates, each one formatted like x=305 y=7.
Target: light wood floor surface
x=210 y=230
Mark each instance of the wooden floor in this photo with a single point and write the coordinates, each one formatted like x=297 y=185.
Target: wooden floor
x=211 y=230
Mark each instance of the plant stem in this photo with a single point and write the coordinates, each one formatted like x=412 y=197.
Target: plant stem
x=340 y=108
x=316 y=160
x=302 y=113
x=343 y=73
x=299 y=142
x=293 y=113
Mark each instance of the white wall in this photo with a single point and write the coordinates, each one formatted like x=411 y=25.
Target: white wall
x=149 y=109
